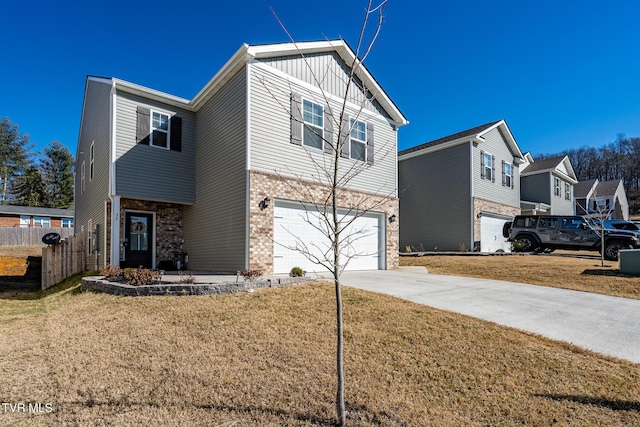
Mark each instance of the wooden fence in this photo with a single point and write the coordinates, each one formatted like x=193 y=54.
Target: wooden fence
x=62 y=260
x=30 y=236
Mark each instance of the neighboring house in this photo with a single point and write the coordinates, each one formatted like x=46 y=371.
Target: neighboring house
x=546 y=187
x=457 y=192
x=26 y=216
x=594 y=198
x=216 y=176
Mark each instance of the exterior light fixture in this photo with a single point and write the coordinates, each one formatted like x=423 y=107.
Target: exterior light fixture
x=264 y=203
x=392 y=218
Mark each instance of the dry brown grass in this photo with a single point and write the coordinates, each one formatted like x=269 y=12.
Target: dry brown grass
x=267 y=359
x=556 y=270
x=20 y=251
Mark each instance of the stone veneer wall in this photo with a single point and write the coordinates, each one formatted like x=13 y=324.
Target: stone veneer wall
x=483 y=205
x=276 y=187
x=169 y=236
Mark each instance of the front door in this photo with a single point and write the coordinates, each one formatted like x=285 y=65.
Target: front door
x=138 y=240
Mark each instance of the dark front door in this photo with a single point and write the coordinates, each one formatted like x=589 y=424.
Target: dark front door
x=138 y=240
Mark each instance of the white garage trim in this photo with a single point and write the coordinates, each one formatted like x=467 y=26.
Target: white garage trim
x=491 y=238
x=292 y=223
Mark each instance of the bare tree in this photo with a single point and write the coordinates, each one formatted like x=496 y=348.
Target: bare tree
x=596 y=218
x=322 y=190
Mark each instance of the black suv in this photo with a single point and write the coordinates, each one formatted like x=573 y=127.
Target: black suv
x=549 y=232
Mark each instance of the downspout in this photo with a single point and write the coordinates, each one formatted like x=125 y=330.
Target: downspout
x=115 y=199
x=472 y=194
x=247 y=223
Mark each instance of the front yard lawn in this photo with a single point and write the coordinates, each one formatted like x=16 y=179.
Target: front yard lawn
x=267 y=359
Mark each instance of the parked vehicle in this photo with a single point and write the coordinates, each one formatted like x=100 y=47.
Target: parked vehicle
x=550 y=232
x=620 y=224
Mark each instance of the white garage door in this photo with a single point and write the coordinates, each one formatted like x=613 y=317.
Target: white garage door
x=292 y=223
x=491 y=238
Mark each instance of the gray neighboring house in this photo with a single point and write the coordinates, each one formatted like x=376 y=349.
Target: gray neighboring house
x=546 y=187
x=593 y=197
x=158 y=176
x=457 y=192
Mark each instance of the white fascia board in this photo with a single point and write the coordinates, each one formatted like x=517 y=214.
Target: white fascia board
x=155 y=95
x=439 y=147
x=347 y=55
x=511 y=141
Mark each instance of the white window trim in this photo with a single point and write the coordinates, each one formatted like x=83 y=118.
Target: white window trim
x=69 y=222
x=491 y=168
x=91 y=164
x=352 y=123
x=39 y=220
x=557 y=187
x=312 y=126
x=508 y=175
x=153 y=129
x=567 y=191
x=82 y=180
x=25 y=221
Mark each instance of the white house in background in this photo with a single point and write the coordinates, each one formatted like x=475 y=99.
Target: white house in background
x=593 y=197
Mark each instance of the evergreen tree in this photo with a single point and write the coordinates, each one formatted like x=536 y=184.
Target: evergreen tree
x=14 y=156
x=57 y=170
x=30 y=189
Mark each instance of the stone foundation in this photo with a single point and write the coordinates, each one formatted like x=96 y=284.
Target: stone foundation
x=276 y=187
x=483 y=205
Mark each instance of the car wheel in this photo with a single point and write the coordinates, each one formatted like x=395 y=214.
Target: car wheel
x=612 y=248
x=526 y=244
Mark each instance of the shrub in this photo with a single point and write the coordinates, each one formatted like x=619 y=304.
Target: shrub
x=112 y=273
x=186 y=278
x=518 y=246
x=407 y=249
x=252 y=275
x=296 y=272
x=141 y=276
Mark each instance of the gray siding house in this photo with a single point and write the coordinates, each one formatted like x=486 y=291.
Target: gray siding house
x=457 y=192
x=606 y=198
x=547 y=186
x=217 y=176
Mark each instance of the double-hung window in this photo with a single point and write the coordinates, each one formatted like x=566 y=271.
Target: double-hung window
x=567 y=191
x=67 y=222
x=508 y=177
x=312 y=135
x=91 y=162
x=41 y=221
x=159 y=130
x=487 y=166
x=556 y=186
x=25 y=221
x=358 y=143
x=82 y=187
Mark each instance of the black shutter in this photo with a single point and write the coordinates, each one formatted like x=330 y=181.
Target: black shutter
x=482 y=164
x=175 y=140
x=143 y=126
x=513 y=176
x=328 y=130
x=345 y=131
x=296 y=119
x=504 y=175
x=370 y=146
x=493 y=168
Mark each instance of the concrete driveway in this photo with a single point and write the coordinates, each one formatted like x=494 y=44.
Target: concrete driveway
x=605 y=324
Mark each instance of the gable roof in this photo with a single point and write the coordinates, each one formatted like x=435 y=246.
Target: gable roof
x=246 y=53
x=583 y=189
x=556 y=165
x=29 y=210
x=474 y=134
x=608 y=188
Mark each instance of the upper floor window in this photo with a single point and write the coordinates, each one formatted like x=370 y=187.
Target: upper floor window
x=487 y=170
x=358 y=143
x=91 y=162
x=160 y=130
x=82 y=168
x=507 y=174
x=312 y=135
x=67 y=222
x=41 y=221
x=556 y=185
x=567 y=191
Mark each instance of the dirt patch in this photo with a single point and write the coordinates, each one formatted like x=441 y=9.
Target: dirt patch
x=13 y=266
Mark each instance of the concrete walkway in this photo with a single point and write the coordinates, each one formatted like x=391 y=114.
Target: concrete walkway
x=601 y=323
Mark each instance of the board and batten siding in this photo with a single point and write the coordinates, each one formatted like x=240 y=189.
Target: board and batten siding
x=435 y=200
x=152 y=173
x=271 y=147
x=95 y=128
x=495 y=145
x=215 y=226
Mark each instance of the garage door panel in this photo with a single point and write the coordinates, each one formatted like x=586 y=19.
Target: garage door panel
x=290 y=223
x=491 y=238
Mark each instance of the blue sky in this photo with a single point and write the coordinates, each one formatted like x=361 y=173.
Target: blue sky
x=562 y=73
